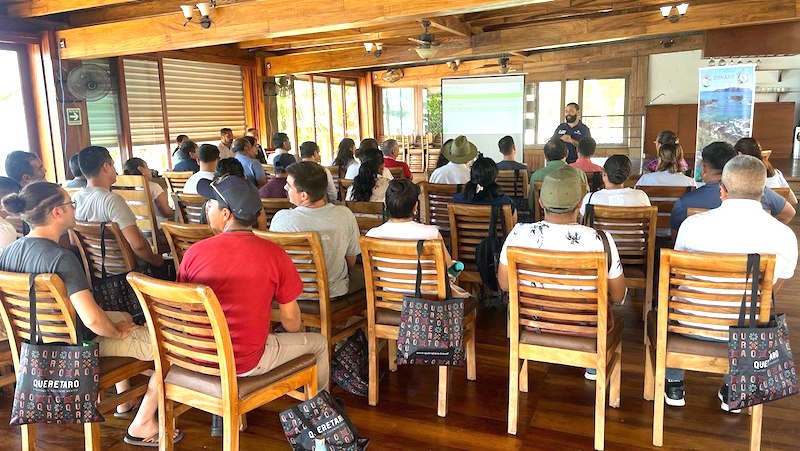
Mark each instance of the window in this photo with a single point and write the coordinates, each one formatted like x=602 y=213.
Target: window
x=549 y=113
x=145 y=113
x=398 y=111
x=13 y=124
x=321 y=109
x=604 y=109
x=432 y=110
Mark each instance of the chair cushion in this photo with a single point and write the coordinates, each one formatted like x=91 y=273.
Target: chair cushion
x=634 y=271
x=684 y=344
x=212 y=386
x=391 y=317
x=311 y=307
x=571 y=342
x=108 y=364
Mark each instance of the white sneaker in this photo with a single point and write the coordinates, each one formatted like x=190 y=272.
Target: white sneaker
x=589 y=376
x=722 y=394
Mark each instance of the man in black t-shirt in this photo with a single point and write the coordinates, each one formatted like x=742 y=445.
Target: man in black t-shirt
x=572 y=131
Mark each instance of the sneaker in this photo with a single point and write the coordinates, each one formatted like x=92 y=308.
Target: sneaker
x=674 y=394
x=723 y=398
x=590 y=374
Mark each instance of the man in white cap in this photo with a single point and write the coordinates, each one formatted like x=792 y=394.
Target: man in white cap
x=559 y=231
x=458 y=152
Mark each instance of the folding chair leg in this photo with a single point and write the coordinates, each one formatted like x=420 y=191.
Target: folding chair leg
x=28 y=437
x=91 y=436
x=392 y=355
x=523 y=377
x=755 y=427
x=441 y=408
x=600 y=408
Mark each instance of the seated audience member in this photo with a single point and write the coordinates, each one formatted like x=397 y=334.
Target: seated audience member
x=187 y=157
x=178 y=140
x=441 y=160
x=345 y=157
x=775 y=178
x=253 y=170
x=97 y=203
x=391 y=150
x=665 y=137
x=482 y=188
x=280 y=145
x=256 y=272
x=309 y=151
x=555 y=152
x=586 y=148
x=276 y=187
x=306 y=185
x=352 y=170
x=402 y=204
x=8 y=234
x=616 y=171
x=256 y=142
x=369 y=185
x=225 y=142
x=458 y=153
x=229 y=166
x=208 y=157
x=715 y=156
x=7 y=186
x=24 y=167
x=509 y=151
x=720 y=231
x=668 y=170
x=50 y=213
x=559 y=231
x=161 y=208
x=79 y=181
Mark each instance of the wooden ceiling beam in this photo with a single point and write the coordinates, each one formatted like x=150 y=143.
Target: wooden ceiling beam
x=38 y=8
x=277 y=44
x=451 y=25
x=564 y=34
x=142 y=8
x=229 y=25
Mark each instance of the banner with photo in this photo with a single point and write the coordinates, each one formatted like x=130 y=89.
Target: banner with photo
x=725 y=106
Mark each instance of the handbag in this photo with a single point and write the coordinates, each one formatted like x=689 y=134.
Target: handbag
x=760 y=357
x=114 y=293
x=350 y=364
x=56 y=382
x=320 y=423
x=431 y=332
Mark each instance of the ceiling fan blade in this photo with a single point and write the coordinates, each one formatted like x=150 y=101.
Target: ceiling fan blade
x=418 y=41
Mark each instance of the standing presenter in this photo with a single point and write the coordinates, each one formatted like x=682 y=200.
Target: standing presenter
x=572 y=131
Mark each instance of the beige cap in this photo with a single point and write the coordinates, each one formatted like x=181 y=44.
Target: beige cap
x=561 y=189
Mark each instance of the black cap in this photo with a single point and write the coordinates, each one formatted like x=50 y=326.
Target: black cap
x=283 y=161
x=233 y=193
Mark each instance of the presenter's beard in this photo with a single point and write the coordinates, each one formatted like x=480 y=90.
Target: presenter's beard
x=570 y=119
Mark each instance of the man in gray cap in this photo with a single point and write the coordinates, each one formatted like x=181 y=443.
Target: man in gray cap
x=247 y=274
x=458 y=152
x=559 y=231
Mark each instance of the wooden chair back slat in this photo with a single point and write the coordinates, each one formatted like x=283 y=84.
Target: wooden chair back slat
x=181 y=236
x=344 y=184
x=368 y=214
x=119 y=255
x=538 y=211
x=437 y=196
x=469 y=225
x=134 y=189
x=189 y=208
x=176 y=180
x=272 y=206
x=633 y=230
x=305 y=250
x=701 y=293
x=397 y=173
x=664 y=197
x=784 y=192
x=514 y=183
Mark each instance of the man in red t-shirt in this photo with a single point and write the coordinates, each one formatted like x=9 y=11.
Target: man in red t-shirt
x=391 y=149
x=247 y=273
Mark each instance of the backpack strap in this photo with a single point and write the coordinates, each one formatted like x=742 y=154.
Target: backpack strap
x=588 y=219
x=606 y=247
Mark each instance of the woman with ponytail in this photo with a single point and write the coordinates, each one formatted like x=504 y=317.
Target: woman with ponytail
x=666 y=137
x=668 y=172
x=616 y=171
x=482 y=188
x=370 y=184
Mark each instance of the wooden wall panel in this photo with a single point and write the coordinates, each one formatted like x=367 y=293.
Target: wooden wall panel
x=772 y=39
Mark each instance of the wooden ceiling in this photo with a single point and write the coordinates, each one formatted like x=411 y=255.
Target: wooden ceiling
x=304 y=36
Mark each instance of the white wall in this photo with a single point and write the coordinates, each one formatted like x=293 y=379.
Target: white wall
x=672 y=77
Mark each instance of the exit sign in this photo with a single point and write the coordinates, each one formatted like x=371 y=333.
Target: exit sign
x=74 y=116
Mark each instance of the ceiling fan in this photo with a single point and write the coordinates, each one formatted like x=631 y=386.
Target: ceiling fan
x=427 y=44
x=503 y=65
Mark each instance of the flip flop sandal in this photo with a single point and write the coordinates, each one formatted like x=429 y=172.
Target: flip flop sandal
x=137 y=441
x=130 y=413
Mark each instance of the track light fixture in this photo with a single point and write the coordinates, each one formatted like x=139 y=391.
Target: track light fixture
x=205 y=11
x=368 y=46
x=681 y=9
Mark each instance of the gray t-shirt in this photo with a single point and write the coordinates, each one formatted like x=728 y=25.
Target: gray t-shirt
x=43 y=256
x=101 y=205
x=338 y=231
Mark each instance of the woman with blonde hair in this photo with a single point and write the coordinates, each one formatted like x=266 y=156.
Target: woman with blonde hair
x=667 y=171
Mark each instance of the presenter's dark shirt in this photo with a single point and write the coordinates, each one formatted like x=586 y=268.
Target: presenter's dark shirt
x=578 y=132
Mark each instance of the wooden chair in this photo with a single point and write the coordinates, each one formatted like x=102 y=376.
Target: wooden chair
x=334 y=170
x=595 y=180
x=786 y=193
x=561 y=309
x=133 y=188
x=317 y=308
x=181 y=236
x=397 y=173
x=119 y=256
x=390 y=269
x=194 y=360
x=344 y=184
x=7 y=374
x=19 y=225
x=176 y=180
x=189 y=208
x=368 y=214
x=634 y=233
x=514 y=183
x=432 y=158
x=695 y=210
x=434 y=206
x=54 y=307
x=687 y=275
x=269 y=170
x=272 y=206
x=469 y=225
x=664 y=198
x=538 y=211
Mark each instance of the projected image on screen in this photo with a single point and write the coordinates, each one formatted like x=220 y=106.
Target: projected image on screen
x=484 y=109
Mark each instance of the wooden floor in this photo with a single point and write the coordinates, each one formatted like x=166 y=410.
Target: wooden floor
x=556 y=414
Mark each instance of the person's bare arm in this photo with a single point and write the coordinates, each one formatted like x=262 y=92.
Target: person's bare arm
x=777 y=285
x=786 y=215
x=351 y=260
x=502 y=277
x=163 y=206
x=96 y=319
x=616 y=290
x=140 y=245
x=290 y=317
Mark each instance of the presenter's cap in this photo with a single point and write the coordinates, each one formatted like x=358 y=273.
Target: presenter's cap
x=460 y=150
x=561 y=190
x=234 y=193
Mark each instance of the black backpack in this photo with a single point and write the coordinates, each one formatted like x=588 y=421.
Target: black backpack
x=487 y=253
